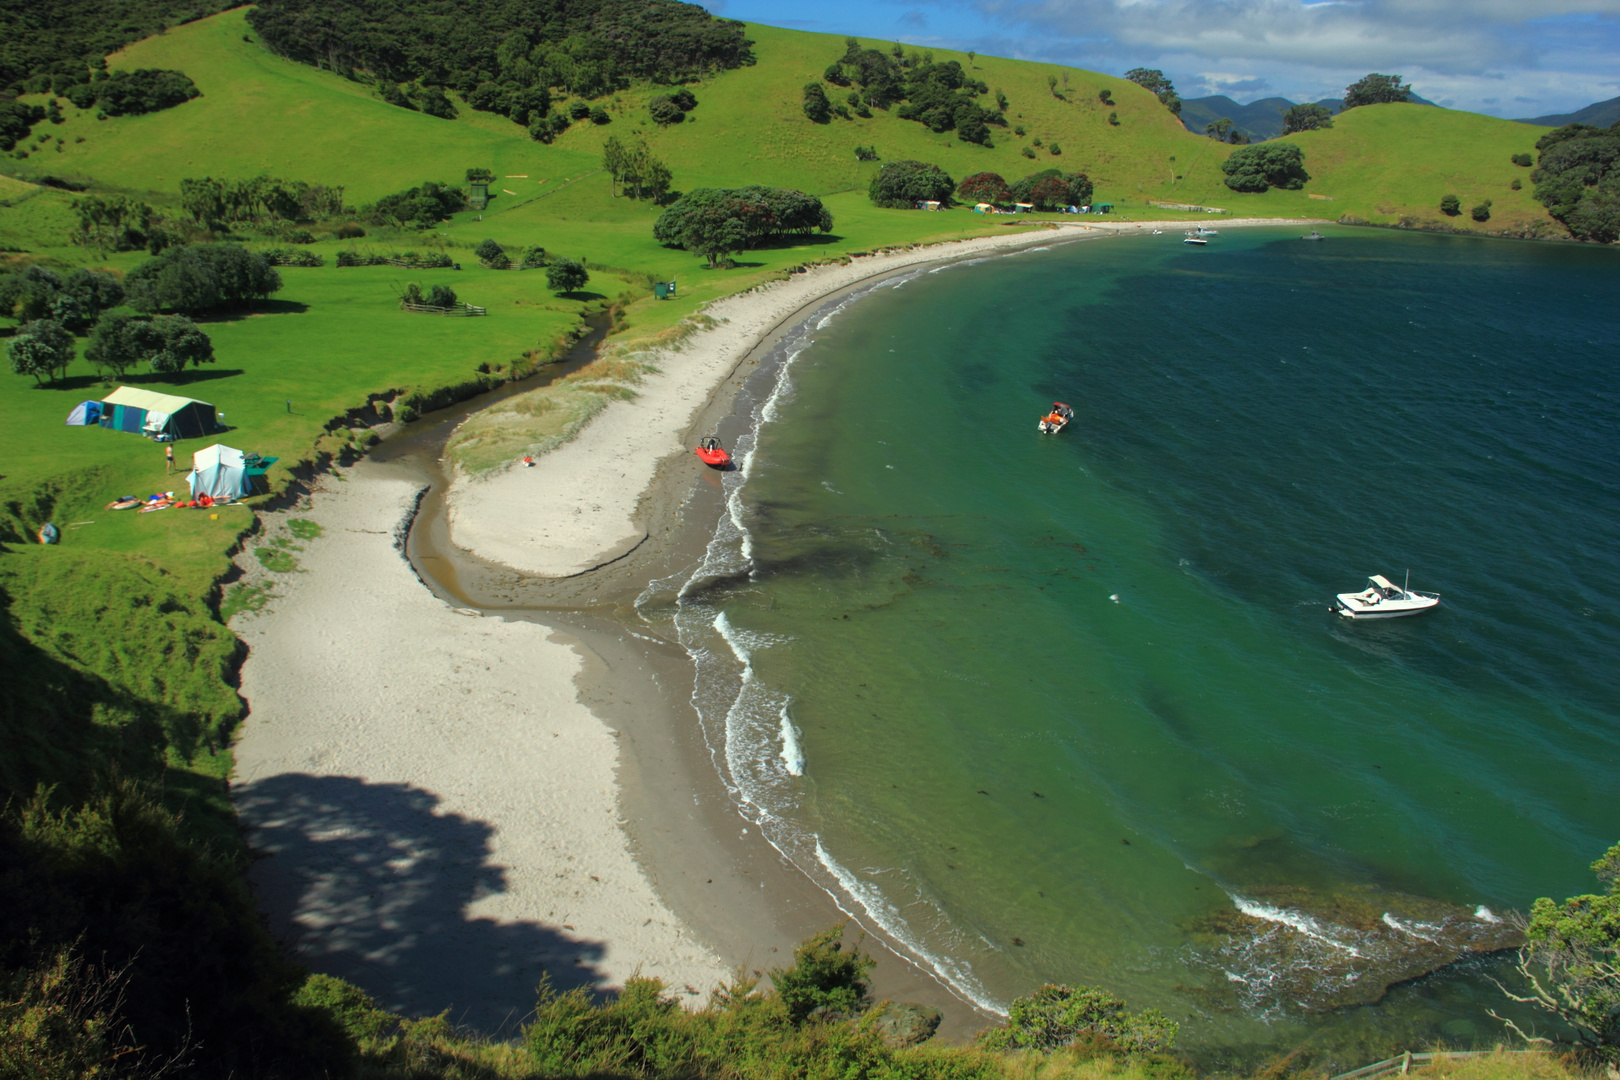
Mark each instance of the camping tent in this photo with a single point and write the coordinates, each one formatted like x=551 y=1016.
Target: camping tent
x=84 y=414
x=161 y=416
x=220 y=472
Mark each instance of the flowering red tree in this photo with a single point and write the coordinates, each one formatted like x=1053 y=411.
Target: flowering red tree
x=984 y=187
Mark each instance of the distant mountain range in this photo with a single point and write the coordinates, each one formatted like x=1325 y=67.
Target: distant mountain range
x=1259 y=120
x=1600 y=114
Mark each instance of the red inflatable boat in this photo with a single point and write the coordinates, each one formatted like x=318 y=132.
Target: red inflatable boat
x=711 y=453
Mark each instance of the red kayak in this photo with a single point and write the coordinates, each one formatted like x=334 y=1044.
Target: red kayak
x=711 y=453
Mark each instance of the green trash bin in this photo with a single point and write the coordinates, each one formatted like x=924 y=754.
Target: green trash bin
x=661 y=289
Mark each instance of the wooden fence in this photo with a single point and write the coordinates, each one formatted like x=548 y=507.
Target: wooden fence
x=429 y=309
x=1407 y=1061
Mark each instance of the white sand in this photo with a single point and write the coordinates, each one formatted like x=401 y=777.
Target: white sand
x=577 y=508
x=439 y=809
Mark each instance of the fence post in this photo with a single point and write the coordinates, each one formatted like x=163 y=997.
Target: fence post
x=1406 y=1063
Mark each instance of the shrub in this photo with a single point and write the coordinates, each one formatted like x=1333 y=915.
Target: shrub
x=533 y=259
x=1482 y=212
x=1029 y=152
x=566 y=275
x=478 y=175
x=442 y=296
x=1057 y=1016
x=816 y=106
x=824 y=977
x=902 y=184
x=599 y=116
x=866 y=153
x=1054 y=149
x=579 y=110
x=1523 y=160
x=665 y=112
x=1255 y=168
x=1450 y=205
x=492 y=255
x=1113 y=119
x=291 y=257
x=1516 y=185
x=349 y=231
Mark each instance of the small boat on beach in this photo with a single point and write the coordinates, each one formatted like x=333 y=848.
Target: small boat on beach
x=1056 y=420
x=712 y=454
x=1385 y=600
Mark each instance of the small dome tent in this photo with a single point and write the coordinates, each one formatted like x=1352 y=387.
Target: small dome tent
x=85 y=414
x=220 y=473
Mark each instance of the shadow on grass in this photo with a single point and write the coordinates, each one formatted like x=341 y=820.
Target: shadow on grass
x=185 y=378
x=260 y=307
x=580 y=294
x=372 y=882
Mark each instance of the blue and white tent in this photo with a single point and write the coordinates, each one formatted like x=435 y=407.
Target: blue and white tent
x=85 y=414
x=220 y=473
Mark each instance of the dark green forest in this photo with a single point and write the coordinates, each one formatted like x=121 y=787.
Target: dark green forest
x=36 y=37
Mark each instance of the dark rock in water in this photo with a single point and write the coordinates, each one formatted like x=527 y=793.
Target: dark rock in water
x=1315 y=951
x=905 y=1023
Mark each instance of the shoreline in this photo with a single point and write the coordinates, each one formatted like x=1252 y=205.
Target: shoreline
x=442 y=706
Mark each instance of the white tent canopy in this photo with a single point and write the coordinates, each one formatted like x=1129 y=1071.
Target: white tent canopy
x=219 y=472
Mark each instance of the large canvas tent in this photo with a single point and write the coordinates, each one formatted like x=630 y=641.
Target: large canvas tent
x=219 y=472
x=85 y=414
x=143 y=412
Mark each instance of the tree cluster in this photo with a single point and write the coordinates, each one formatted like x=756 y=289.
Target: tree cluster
x=201 y=278
x=496 y=51
x=718 y=222
x=1049 y=189
x=418 y=97
x=43 y=41
x=1376 y=89
x=421 y=207
x=439 y=296
x=132 y=93
x=219 y=204
x=168 y=343
x=942 y=97
x=1055 y=1017
x=119 y=224
x=1578 y=180
x=1306 y=117
x=634 y=172
x=1155 y=82
x=74 y=299
x=1266 y=165
x=492 y=256
x=17 y=120
x=903 y=184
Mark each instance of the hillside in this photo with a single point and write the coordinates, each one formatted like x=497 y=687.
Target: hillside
x=1597 y=114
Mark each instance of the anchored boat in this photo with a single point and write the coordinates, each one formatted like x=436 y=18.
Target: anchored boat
x=1056 y=420
x=1385 y=600
x=712 y=454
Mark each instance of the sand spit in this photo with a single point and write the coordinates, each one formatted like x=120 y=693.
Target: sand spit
x=439 y=810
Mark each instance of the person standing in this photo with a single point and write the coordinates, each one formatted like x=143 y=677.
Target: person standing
x=168 y=458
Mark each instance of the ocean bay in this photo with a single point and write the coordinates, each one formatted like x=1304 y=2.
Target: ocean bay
x=1073 y=708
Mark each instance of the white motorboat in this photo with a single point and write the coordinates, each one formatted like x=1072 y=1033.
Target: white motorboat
x=1385 y=600
x=1194 y=239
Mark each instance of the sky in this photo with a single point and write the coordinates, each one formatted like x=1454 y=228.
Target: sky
x=1508 y=58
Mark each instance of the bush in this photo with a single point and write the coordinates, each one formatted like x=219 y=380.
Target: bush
x=903 y=184
x=1450 y=205
x=579 y=110
x=1054 y=149
x=534 y=258
x=1113 y=119
x=816 y=106
x=291 y=257
x=866 y=153
x=1516 y=185
x=1029 y=152
x=599 y=116
x=1523 y=160
x=665 y=112
x=1482 y=212
x=492 y=255
x=1057 y=1016
x=349 y=231
x=1255 y=168
x=824 y=978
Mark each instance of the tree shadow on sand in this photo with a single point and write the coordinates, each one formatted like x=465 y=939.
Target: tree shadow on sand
x=371 y=883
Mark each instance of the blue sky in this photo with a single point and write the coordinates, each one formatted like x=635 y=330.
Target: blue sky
x=1511 y=58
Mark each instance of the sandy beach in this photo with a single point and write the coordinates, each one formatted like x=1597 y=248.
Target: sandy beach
x=581 y=506
x=438 y=791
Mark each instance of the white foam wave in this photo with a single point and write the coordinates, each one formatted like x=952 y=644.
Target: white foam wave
x=879 y=910
x=1426 y=931
x=1485 y=914
x=792 y=752
x=1297 y=921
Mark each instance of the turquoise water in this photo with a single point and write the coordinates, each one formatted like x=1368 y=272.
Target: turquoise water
x=1056 y=708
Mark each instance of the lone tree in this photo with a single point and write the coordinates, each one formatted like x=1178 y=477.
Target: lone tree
x=1266 y=165
x=903 y=184
x=1307 y=117
x=566 y=276
x=1220 y=129
x=1450 y=205
x=816 y=105
x=1154 y=80
x=1571 y=962
x=986 y=187
x=492 y=255
x=1376 y=89
x=43 y=349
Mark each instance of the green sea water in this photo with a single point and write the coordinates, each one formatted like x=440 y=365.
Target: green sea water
x=1074 y=708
